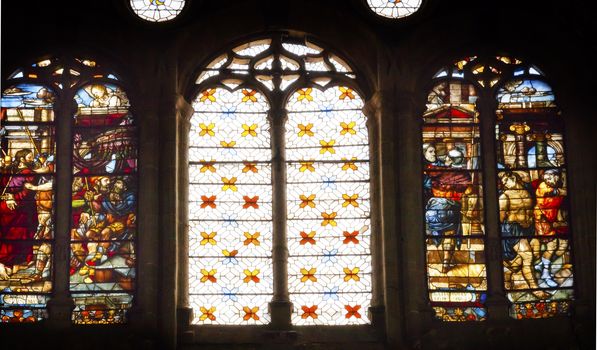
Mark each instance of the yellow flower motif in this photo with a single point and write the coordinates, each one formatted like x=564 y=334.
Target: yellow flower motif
x=208 y=95
x=349 y=164
x=249 y=95
x=351 y=274
x=304 y=94
x=249 y=130
x=327 y=146
x=306 y=166
x=305 y=130
x=230 y=144
x=207 y=313
x=346 y=92
x=207 y=166
x=308 y=275
x=207 y=129
x=252 y=238
x=208 y=275
x=229 y=184
x=348 y=128
x=307 y=201
x=208 y=238
x=350 y=200
x=329 y=219
x=251 y=276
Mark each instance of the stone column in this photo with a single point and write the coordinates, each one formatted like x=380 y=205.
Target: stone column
x=497 y=304
x=61 y=304
x=373 y=111
x=168 y=188
x=184 y=112
x=407 y=108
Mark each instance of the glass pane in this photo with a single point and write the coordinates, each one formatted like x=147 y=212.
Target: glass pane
x=27 y=178
x=328 y=198
x=230 y=208
x=103 y=206
x=453 y=197
x=157 y=10
x=394 y=8
x=533 y=202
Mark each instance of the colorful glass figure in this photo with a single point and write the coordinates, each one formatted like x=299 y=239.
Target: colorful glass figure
x=533 y=199
x=27 y=174
x=394 y=8
x=157 y=10
x=104 y=205
x=453 y=199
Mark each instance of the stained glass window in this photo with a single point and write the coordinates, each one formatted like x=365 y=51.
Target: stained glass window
x=27 y=140
x=327 y=152
x=157 y=10
x=103 y=208
x=533 y=198
x=394 y=8
x=231 y=213
x=230 y=208
x=531 y=190
x=453 y=199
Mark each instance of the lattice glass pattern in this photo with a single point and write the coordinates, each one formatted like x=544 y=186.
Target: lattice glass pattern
x=394 y=8
x=533 y=202
x=453 y=198
x=157 y=10
x=230 y=208
x=103 y=206
x=27 y=173
x=327 y=151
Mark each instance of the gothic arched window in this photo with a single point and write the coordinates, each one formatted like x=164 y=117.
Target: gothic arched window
x=102 y=157
x=279 y=161
x=531 y=197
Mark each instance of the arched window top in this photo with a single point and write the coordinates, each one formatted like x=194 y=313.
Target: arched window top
x=394 y=8
x=275 y=63
x=157 y=10
x=488 y=71
x=63 y=72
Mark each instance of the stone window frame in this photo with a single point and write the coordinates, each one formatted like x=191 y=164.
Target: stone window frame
x=280 y=328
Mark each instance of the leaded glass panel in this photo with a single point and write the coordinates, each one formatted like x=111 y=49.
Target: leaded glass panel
x=533 y=201
x=453 y=199
x=230 y=208
x=104 y=205
x=27 y=141
x=328 y=201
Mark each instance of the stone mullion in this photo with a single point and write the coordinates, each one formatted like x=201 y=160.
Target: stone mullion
x=280 y=307
x=497 y=304
x=61 y=304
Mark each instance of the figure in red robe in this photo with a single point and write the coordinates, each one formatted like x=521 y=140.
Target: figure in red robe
x=18 y=214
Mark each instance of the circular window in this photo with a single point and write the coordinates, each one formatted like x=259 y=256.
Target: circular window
x=157 y=10
x=394 y=8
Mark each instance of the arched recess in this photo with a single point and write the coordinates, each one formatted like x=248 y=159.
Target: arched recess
x=86 y=220
x=255 y=80
x=526 y=127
